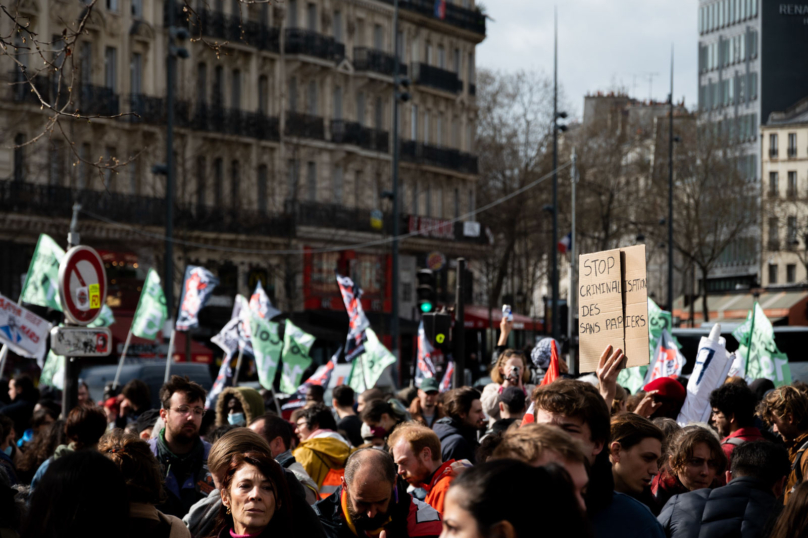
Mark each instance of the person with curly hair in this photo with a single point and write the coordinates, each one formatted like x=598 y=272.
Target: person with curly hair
x=141 y=472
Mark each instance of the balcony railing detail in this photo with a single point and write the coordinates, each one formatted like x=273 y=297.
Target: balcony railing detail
x=350 y=132
x=306 y=42
x=435 y=77
x=98 y=101
x=304 y=126
x=458 y=16
x=377 y=61
x=451 y=159
x=218 y=119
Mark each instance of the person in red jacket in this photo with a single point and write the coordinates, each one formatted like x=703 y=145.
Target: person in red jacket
x=417 y=455
x=734 y=416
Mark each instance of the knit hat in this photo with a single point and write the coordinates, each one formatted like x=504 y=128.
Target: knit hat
x=541 y=354
x=667 y=387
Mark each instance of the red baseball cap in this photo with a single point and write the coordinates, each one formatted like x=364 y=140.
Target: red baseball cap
x=667 y=387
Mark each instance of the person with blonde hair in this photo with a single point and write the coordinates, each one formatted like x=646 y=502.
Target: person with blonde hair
x=785 y=409
x=144 y=485
x=510 y=370
x=417 y=454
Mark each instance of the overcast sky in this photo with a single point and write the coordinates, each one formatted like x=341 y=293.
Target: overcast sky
x=602 y=44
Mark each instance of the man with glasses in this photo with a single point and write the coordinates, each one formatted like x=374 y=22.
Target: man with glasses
x=182 y=454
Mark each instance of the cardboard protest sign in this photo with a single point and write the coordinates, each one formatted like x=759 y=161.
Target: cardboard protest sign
x=613 y=305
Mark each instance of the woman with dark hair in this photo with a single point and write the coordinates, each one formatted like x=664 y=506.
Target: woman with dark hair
x=481 y=503
x=793 y=520
x=82 y=494
x=695 y=460
x=380 y=418
x=42 y=447
x=141 y=472
x=255 y=498
x=135 y=398
x=24 y=396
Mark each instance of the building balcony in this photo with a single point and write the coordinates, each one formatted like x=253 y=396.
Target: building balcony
x=236 y=122
x=21 y=90
x=460 y=17
x=149 y=109
x=792 y=153
x=217 y=25
x=435 y=77
x=308 y=43
x=350 y=132
x=773 y=245
x=772 y=153
x=332 y=216
x=304 y=126
x=98 y=101
x=377 y=61
x=57 y=202
x=452 y=159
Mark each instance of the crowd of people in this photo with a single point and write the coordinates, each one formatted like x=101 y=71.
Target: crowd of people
x=569 y=458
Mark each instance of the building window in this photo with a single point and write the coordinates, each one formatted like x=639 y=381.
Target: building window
x=293 y=94
x=426 y=127
x=337 y=102
x=773 y=145
x=439 y=131
x=201 y=187
x=292 y=173
x=218 y=86
x=772 y=273
x=136 y=74
x=311 y=17
x=337 y=26
x=112 y=5
x=428 y=196
x=235 y=184
x=218 y=180
x=235 y=97
x=773 y=184
x=441 y=57
x=312 y=98
x=337 y=186
x=201 y=83
x=457 y=203
x=359 y=187
x=379 y=122
x=292 y=14
x=262 y=189
x=57 y=163
x=792 y=145
x=311 y=181
x=378 y=37
x=791 y=273
x=360 y=108
x=19 y=157
x=791 y=232
x=137 y=9
x=84 y=167
x=471 y=206
x=110 y=68
x=439 y=203
x=110 y=153
x=457 y=62
x=263 y=95
x=792 y=184
x=414 y=208
x=773 y=234
x=428 y=54
x=400 y=46
x=414 y=122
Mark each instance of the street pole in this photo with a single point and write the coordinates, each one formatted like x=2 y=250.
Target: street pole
x=670 y=195
x=554 y=245
x=171 y=65
x=459 y=334
x=573 y=293
x=70 y=392
x=394 y=329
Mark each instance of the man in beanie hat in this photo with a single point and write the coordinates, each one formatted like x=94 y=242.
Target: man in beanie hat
x=669 y=397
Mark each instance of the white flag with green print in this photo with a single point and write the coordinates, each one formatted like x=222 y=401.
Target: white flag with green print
x=41 y=285
x=758 y=352
x=296 y=346
x=104 y=319
x=369 y=366
x=267 y=346
x=53 y=373
x=151 y=312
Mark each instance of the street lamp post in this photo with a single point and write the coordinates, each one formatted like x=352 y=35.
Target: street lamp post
x=556 y=127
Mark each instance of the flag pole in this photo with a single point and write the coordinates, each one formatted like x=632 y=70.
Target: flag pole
x=170 y=355
x=123 y=358
x=364 y=372
x=751 y=336
x=238 y=366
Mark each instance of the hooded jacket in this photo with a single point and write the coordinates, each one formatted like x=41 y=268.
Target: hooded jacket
x=457 y=441
x=409 y=517
x=250 y=399
x=744 y=508
x=321 y=453
x=191 y=469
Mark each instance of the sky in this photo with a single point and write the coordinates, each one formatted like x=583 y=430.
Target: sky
x=602 y=45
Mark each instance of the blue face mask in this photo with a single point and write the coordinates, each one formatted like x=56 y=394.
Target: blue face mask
x=236 y=419
x=9 y=449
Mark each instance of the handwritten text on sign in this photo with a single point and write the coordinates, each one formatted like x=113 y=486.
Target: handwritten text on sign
x=612 y=296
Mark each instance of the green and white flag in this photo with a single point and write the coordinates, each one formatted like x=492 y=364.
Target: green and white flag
x=369 y=366
x=151 y=312
x=267 y=346
x=758 y=351
x=41 y=285
x=296 y=346
x=53 y=373
x=104 y=319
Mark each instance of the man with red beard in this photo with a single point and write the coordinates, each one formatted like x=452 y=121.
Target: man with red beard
x=370 y=501
x=182 y=454
x=416 y=453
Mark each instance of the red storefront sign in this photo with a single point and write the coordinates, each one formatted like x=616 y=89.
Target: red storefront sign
x=428 y=227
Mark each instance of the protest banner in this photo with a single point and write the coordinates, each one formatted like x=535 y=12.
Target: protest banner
x=758 y=355
x=296 y=346
x=24 y=332
x=613 y=305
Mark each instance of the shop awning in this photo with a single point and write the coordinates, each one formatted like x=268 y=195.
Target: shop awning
x=782 y=307
x=147 y=349
x=477 y=318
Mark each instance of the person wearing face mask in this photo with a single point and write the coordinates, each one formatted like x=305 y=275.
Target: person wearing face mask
x=238 y=406
x=424 y=408
x=635 y=450
x=382 y=418
x=695 y=461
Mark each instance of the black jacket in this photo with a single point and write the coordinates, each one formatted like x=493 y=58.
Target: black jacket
x=743 y=508
x=410 y=518
x=457 y=441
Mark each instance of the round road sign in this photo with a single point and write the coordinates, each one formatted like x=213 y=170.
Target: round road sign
x=82 y=284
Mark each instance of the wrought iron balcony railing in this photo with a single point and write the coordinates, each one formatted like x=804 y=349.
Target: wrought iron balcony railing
x=451 y=159
x=377 y=61
x=351 y=132
x=435 y=77
x=306 y=42
x=304 y=126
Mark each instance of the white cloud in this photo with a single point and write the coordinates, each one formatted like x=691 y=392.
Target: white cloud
x=601 y=44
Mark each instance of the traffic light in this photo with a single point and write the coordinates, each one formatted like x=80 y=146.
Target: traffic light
x=426 y=293
x=437 y=329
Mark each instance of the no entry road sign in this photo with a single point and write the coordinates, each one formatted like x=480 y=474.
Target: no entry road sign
x=82 y=284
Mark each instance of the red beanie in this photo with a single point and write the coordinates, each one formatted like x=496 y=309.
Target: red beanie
x=668 y=388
